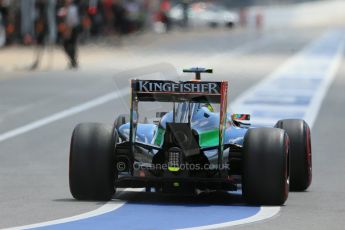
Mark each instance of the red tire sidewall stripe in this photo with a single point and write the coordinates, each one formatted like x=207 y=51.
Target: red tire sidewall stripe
x=308 y=155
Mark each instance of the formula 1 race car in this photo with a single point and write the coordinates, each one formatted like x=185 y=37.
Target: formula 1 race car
x=195 y=146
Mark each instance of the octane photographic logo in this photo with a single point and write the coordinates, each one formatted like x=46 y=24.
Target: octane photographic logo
x=121 y=166
x=174 y=87
x=181 y=167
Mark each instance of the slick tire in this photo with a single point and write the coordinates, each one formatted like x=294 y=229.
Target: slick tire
x=91 y=163
x=120 y=120
x=265 y=166
x=300 y=153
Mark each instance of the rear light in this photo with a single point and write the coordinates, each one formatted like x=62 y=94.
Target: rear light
x=174 y=158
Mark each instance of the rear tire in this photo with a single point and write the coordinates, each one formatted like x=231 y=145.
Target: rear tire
x=120 y=120
x=265 y=166
x=91 y=164
x=300 y=153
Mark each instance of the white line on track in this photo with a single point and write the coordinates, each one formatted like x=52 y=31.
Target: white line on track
x=108 y=207
x=64 y=114
x=264 y=213
x=316 y=102
x=298 y=72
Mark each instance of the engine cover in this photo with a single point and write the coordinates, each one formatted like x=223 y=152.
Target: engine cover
x=181 y=135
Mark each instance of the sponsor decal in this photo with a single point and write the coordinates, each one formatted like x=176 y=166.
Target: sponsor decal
x=174 y=87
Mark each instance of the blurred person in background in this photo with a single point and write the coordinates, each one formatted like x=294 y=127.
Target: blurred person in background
x=165 y=7
x=108 y=16
x=147 y=14
x=45 y=29
x=85 y=7
x=85 y=22
x=13 y=20
x=97 y=17
x=41 y=30
x=27 y=15
x=69 y=29
x=133 y=14
x=185 y=7
x=120 y=21
x=3 y=12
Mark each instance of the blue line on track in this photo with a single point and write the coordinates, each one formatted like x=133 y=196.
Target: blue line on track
x=133 y=216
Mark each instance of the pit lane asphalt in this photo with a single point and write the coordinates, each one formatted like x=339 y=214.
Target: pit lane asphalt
x=34 y=165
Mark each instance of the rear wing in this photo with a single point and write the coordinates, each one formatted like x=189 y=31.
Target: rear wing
x=175 y=92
